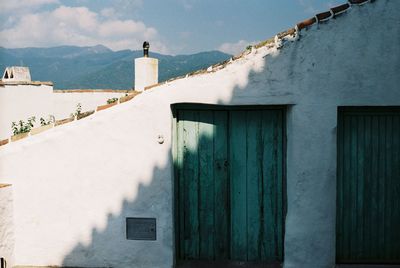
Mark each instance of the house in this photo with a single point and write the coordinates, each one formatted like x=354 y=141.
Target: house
x=22 y=98
x=287 y=154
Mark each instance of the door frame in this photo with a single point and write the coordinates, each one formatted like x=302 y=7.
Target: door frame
x=174 y=149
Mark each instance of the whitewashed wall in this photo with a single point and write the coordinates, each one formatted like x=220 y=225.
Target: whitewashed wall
x=19 y=102
x=65 y=103
x=75 y=184
x=6 y=224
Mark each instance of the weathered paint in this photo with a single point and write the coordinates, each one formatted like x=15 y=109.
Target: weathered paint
x=229 y=185
x=110 y=166
x=368 y=193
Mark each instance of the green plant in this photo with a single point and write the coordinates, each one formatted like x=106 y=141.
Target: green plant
x=22 y=126
x=44 y=122
x=249 y=47
x=112 y=100
x=78 y=110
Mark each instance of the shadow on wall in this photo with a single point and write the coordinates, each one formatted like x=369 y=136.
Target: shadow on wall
x=110 y=247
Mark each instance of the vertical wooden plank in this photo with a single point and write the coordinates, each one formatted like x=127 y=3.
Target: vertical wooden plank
x=221 y=194
x=367 y=185
x=279 y=207
x=254 y=161
x=381 y=188
x=340 y=188
x=237 y=142
x=395 y=190
x=374 y=188
x=269 y=174
x=346 y=188
x=191 y=177
x=353 y=188
x=206 y=185
x=359 y=249
x=388 y=185
x=180 y=193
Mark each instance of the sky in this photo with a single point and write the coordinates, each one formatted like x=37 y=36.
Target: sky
x=171 y=26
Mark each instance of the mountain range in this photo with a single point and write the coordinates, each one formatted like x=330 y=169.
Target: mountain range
x=98 y=67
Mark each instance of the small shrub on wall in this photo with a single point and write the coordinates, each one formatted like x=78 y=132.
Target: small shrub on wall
x=22 y=126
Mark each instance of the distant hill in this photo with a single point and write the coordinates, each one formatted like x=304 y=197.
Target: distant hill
x=71 y=67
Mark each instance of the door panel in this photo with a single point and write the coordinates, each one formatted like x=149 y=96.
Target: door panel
x=368 y=185
x=229 y=180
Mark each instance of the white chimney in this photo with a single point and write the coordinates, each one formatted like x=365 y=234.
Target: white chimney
x=17 y=74
x=146 y=70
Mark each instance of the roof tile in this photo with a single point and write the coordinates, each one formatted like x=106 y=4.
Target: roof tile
x=64 y=121
x=340 y=9
x=324 y=15
x=4 y=142
x=84 y=114
x=306 y=23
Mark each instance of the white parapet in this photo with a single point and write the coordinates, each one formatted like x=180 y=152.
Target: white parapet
x=146 y=72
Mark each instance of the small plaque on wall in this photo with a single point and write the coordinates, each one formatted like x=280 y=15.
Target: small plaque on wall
x=141 y=229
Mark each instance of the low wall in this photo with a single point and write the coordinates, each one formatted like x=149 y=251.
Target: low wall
x=20 y=101
x=65 y=102
x=6 y=224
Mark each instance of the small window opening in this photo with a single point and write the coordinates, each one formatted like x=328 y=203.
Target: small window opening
x=6 y=75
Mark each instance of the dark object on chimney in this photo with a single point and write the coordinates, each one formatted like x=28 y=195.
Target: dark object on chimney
x=146 y=46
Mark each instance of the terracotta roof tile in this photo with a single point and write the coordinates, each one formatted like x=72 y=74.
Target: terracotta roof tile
x=357 y=2
x=64 y=121
x=129 y=97
x=84 y=114
x=31 y=83
x=4 y=142
x=340 y=9
x=306 y=23
x=106 y=106
x=324 y=16
x=92 y=91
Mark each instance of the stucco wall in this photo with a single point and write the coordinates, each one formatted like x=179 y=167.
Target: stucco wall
x=65 y=103
x=19 y=102
x=6 y=224
x=79 y=181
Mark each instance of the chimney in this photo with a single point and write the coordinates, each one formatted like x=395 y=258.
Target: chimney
x=146 y=69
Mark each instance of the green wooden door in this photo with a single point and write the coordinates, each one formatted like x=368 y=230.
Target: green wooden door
x=368 y=186
x=229 y=185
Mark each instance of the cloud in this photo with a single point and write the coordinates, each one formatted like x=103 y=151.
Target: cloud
x=8 y=6
x=235 y=48
x=79 y=26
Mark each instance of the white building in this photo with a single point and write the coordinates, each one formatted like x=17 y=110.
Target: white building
x=303 y=127
x=21 y=98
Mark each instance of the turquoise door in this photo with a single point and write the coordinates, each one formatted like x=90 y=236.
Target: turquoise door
x=368 y=185
x=229 y=185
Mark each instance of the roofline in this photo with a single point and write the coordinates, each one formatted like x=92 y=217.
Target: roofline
x=30 y=83
x=273 y=41
x=92 y=90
